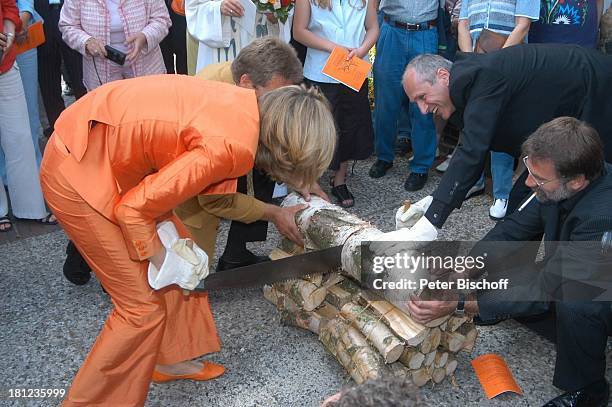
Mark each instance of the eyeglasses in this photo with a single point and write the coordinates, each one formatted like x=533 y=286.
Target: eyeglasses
x=537 y=179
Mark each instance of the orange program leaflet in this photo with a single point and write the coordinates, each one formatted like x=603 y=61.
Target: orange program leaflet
x=35 y=37
x=494 y=375
x=351 y=73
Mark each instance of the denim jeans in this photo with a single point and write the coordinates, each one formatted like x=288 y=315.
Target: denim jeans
x=28 y=67
x=502 y=170
x=394 y=50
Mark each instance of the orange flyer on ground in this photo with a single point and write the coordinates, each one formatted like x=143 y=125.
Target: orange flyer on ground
x=350 y=73
x=494 y=375
x=35 y=37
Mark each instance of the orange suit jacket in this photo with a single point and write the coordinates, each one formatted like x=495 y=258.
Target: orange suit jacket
x=166 y=139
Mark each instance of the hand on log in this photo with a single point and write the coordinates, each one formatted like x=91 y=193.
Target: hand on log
x=284 y=220
x=314 y=189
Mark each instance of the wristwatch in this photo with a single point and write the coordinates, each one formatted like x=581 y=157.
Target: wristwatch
x=460 y=310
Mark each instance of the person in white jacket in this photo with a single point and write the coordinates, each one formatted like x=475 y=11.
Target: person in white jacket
x=222 y=28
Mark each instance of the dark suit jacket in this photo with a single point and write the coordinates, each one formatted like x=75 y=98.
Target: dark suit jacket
x=573 y=266
x=502 y=97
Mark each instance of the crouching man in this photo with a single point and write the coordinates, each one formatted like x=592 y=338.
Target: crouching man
x=573 y=187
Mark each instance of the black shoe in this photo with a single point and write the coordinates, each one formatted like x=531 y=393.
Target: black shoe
x=76 y=270
x=594 y=395
x=230 y=264
x=380 y=168
x=415 y=181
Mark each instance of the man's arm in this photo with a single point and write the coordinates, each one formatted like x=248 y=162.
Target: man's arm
x=488 y=95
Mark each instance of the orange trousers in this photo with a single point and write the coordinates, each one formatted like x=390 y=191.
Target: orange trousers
x=146 y=326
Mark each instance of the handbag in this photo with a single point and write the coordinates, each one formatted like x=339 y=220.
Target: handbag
x=489 y=41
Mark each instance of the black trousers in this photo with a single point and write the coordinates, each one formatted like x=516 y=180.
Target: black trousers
x=582 y=336
x=175 y=44
x=240 y=233
x=50 y=56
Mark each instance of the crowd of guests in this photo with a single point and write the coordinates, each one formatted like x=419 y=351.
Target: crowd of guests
x=172 y=36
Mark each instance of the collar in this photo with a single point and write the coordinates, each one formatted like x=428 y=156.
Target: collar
x=569 y=204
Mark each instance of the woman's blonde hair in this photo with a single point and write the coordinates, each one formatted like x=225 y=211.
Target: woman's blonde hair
x=297 y=135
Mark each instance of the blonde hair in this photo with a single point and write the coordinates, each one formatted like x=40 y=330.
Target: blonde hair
x=297 y=135
x=327 y=3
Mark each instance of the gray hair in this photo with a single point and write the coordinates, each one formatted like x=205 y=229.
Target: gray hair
x=426 y=66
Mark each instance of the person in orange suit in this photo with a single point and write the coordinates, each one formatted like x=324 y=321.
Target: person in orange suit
x=120 y=160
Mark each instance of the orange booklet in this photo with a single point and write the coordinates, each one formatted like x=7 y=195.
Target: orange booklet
x=350 y=73
x=494 y=375
x=35 y=37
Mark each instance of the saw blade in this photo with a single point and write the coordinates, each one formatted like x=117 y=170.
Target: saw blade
x=288 y=268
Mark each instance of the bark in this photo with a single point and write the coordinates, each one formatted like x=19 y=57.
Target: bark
x=352 y=350
x=410 y=331
x=376 y=332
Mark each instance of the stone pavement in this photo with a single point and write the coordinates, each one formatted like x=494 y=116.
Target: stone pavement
x=48 y=325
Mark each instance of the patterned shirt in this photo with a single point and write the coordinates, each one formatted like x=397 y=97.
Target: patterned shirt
x=411 y=11
x=567 y=22
x=497 y=15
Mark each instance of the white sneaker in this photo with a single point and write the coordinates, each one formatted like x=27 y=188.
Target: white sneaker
x=498 y=209
x=443 y=166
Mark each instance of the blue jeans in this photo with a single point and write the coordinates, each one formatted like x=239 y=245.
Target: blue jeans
x=28 y=68
x=502 y=169
x=394 y=50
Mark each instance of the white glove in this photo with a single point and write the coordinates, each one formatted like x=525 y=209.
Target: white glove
x=403 y=239
x=185 y=263
x=405 y=218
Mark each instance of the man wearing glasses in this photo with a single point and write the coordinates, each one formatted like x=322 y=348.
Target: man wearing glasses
x=572 y=186
x=498 y=99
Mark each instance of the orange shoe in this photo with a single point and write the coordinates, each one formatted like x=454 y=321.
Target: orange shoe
x=208 y=372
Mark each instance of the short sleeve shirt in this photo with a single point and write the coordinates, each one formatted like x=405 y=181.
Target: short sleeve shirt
x=497 y=15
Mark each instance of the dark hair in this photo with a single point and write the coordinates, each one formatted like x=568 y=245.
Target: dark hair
x=572 y=145
x=265 y=57
x=388 y=391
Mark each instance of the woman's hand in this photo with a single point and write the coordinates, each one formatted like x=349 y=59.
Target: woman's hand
x=356 y=52
x=271 y=18
x=137 y=42
x=284 y=220
x=95 y=47
x=6 y=42
x=232 y=8
x=314 y=189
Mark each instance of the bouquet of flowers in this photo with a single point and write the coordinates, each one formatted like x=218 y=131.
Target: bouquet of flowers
x=279 y=8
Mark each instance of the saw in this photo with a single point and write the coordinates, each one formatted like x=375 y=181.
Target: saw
x=256 y=275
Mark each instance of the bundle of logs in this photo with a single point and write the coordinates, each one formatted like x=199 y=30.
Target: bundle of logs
x=368 y=335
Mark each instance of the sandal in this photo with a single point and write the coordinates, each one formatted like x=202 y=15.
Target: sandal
x=43 y=221
x=342 y=194
x=47 y=220
x=6 y=223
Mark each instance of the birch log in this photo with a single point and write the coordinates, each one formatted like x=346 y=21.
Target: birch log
x=410 y=331
x=352 y=350
x=376 y=332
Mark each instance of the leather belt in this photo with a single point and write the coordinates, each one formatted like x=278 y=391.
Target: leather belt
x=412 y=27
